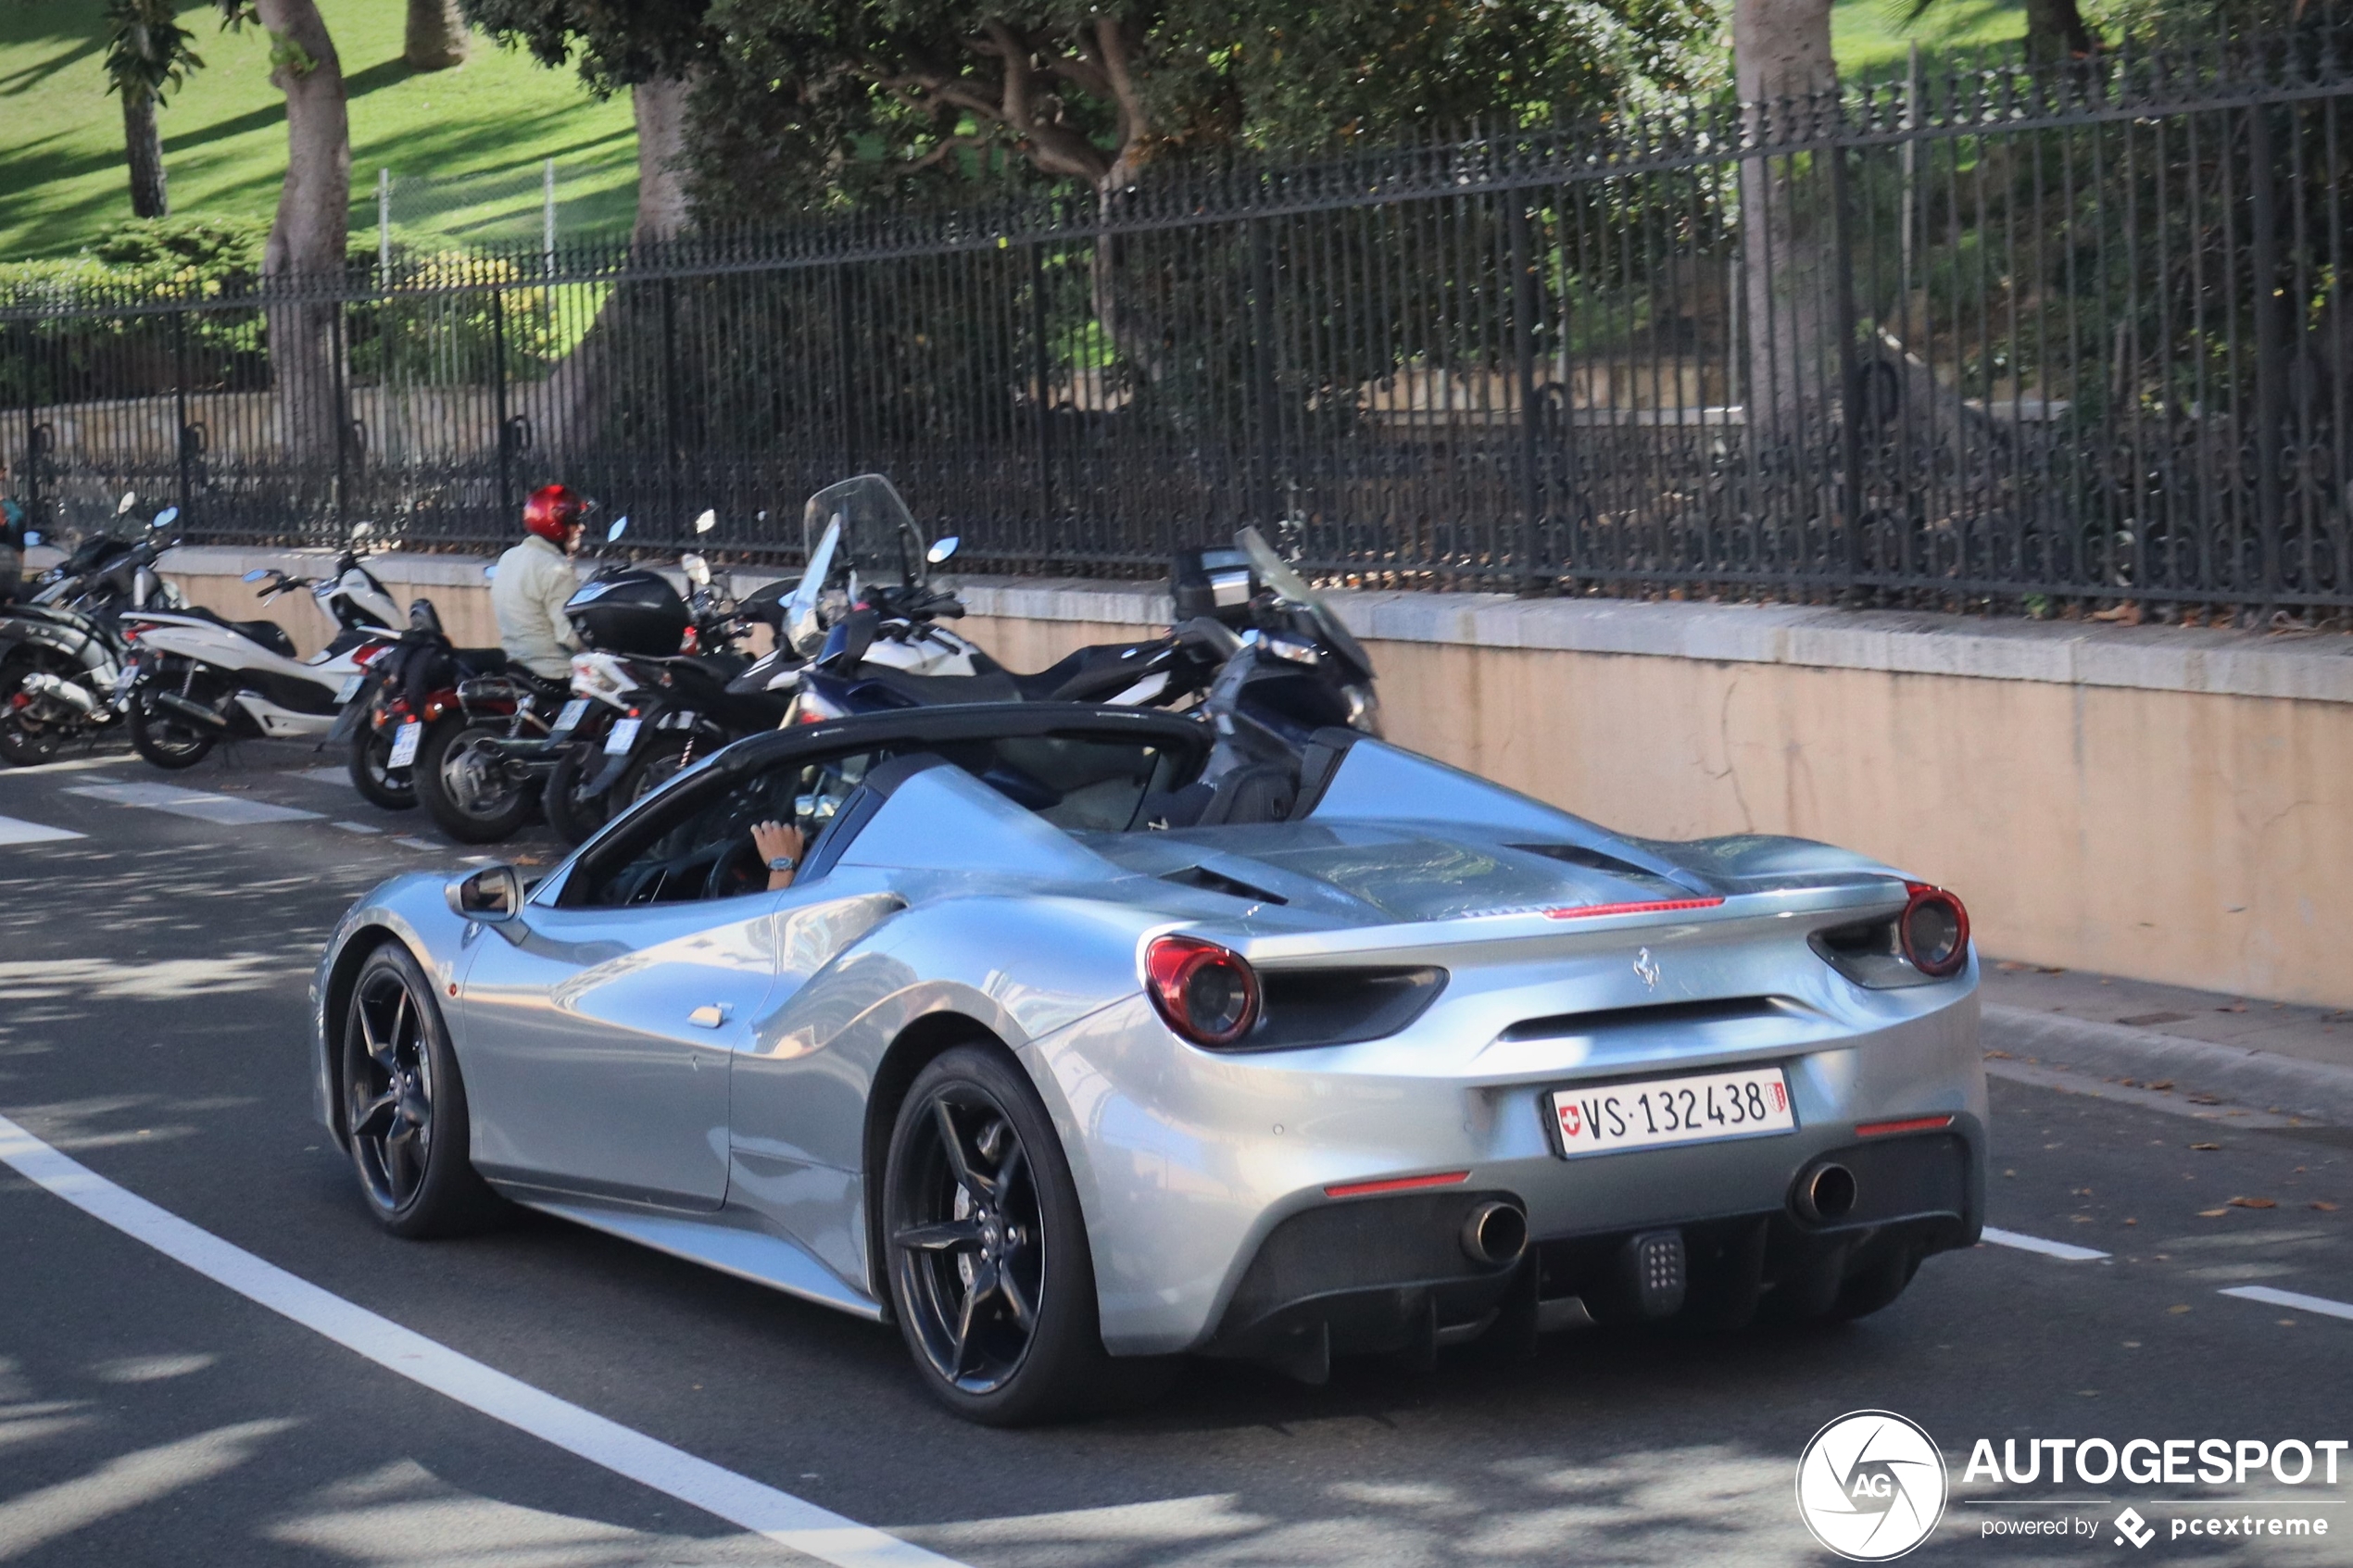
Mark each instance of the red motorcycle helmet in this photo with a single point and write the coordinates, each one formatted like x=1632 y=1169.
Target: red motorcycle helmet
x=553 y=511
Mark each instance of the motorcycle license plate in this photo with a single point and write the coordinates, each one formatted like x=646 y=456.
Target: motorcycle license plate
x=1656 y=1111
x=349 y=689
x=623 y=737
x=569 y=719
x=404 y=744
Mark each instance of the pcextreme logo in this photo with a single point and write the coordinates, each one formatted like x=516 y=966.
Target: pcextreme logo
x=1870 y=1485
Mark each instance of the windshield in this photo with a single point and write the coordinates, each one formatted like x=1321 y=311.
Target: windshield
x=880 y=538
x=1291 y=588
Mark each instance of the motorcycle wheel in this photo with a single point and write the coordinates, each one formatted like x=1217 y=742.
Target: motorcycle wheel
x=467 y=795
x=163 y=738
x=571 y=811
x=25 y=742
x=653 y=768
x=373 y=775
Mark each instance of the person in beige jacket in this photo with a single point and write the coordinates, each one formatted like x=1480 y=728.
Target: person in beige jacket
x=534 y=579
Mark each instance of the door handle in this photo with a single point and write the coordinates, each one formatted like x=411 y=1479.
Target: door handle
x=710 y=1015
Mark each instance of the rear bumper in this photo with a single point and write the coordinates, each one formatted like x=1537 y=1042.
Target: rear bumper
x=1194 y=1171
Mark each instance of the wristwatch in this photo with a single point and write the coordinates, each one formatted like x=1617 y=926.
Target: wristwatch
x=782 y=863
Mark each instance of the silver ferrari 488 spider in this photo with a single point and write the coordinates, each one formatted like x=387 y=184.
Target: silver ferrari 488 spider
x=1069 y=1062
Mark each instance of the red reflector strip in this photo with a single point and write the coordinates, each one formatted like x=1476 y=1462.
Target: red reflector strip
x=1589 y=911
x=1396 y=1184
x=1909 y=1124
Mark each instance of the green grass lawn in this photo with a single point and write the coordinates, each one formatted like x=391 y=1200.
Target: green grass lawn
x=499 y=114
x=224 y=133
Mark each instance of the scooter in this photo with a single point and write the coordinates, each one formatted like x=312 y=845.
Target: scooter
x=196 y=678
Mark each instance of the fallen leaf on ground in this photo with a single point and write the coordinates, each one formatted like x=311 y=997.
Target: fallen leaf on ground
x=2162 y=1083
x=2177 y=1311
x=2324 y=1206
x=2211 y=1213
x=1997 y=1055
x=2132 y=1222
x=2205 y=1145
x=2253 y=1203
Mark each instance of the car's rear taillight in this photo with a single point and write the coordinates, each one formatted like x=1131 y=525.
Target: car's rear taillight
x=1206 y=993
x=1933 y=929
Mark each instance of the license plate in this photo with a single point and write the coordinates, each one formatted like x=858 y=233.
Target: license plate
x=1611 y=1117
x=623 y=737
x=404 y=744
x=349 y=689
x=569 y=719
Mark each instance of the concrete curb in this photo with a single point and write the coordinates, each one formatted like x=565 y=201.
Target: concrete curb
x=2261 y=1079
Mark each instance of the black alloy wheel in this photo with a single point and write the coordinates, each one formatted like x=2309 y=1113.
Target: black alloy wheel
x=990 y=1270
x=404 y=1106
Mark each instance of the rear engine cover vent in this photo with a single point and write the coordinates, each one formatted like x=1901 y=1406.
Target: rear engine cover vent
x=1724 y=1010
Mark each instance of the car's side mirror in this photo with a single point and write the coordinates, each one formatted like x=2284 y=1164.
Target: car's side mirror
x=493 y=895
x=942 y=548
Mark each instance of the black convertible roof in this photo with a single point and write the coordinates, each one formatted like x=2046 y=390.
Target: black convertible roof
x=979 y=721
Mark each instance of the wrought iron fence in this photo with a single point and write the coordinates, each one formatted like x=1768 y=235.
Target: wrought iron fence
x=1985 y=335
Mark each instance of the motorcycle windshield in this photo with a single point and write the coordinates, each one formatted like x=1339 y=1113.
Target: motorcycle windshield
x=880 y=538
x=1291 y=588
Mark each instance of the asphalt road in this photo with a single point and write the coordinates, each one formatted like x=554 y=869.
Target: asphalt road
x=152 y=977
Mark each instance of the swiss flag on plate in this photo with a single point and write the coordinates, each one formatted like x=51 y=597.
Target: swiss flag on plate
x=1572 y=1119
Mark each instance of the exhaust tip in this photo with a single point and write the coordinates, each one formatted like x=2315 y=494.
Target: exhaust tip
x=1495 y=1234
x=1826 y=1193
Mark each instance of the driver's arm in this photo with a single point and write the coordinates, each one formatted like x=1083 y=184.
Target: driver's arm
x=780 y=847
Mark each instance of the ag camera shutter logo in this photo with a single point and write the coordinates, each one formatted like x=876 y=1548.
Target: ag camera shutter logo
x=1870 y=1485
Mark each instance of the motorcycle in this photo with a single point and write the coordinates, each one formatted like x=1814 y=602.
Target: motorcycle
x=196 y=678
x=61 y=652
x=401 y=682
x=874 y=644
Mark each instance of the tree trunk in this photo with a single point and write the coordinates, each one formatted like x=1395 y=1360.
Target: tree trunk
x=661 y=109
x=143 y=143
x=2055 y=29
x=437 y=36
x=1788 y=81
x=305 y=254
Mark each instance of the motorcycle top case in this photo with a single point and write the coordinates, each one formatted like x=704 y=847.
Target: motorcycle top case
x=633 y=612
x=1216 y=584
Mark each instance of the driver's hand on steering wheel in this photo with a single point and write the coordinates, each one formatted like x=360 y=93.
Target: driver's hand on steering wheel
x=778 y=842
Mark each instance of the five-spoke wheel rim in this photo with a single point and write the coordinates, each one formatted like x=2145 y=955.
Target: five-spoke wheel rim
x=967 y=1241
x=388 y=1089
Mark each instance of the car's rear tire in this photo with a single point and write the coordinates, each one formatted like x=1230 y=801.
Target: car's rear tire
x=467 y=795
x=985 y=1247
x=404 y=1105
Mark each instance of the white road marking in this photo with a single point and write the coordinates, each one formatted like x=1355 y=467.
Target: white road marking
x=71 y=765
x=2147 y=1099
x=2302 y=1303
x=337 y=776
x=357 y=827
x=226 y=810
x=2062 y=1250
x=426 y=844
x=783 y=1518
x=13 y=831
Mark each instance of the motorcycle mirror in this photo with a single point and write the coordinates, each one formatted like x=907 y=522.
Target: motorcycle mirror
x=620 y=526
x=32 y=540
x=493 y=895
x=705 y=523
x=490 y=572
x=942 y=548
x=129 y=499
x=360 y=531
x=258 y=574
x=697 y=570
x=166 y=518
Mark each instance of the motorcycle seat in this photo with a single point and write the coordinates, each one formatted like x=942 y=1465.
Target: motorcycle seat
x=1095 y=674
x=269 y=633
x=480 y=661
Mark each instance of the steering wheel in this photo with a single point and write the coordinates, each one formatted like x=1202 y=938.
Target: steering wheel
x=737 y=871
